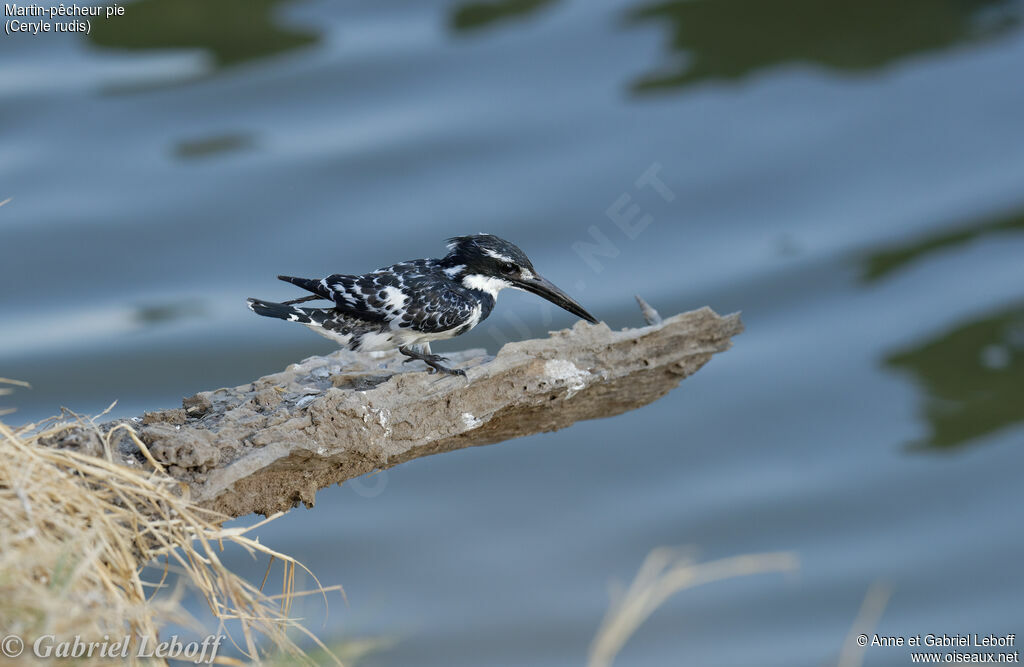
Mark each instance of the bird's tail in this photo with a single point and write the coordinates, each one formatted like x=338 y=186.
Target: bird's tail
x=308 y=284
x=283 y=311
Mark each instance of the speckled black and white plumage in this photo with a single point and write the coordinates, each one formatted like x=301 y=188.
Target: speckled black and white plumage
x=413 y=303
x=409 y=303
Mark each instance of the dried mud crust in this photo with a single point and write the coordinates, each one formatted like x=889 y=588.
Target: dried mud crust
x=271 y=444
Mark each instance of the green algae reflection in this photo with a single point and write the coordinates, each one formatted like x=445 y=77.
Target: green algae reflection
x=730 y=39
x=230 y=31
x=972 y=378
x=474 y=15
x=884 y=262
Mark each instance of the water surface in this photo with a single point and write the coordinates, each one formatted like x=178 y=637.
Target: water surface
x=849 y=177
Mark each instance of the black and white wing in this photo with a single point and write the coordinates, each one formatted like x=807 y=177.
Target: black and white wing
x=410 y=295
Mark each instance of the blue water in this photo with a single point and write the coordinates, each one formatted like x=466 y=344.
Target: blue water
x=850 y=178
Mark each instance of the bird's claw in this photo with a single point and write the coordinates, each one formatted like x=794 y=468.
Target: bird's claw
x=434 y=367
x=427 y=358
x=433 y=361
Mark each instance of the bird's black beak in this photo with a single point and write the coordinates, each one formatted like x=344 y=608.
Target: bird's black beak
x=542 y=287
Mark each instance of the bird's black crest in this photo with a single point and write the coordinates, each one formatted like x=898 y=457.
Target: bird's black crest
x=470 y=249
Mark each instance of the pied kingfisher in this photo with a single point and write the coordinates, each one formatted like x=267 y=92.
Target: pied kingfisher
x=413 y=303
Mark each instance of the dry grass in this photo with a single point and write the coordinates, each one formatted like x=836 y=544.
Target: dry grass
x=664 y=573
x=78 y=533
x=867 y=619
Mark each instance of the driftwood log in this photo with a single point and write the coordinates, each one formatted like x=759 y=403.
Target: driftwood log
x=271 y=444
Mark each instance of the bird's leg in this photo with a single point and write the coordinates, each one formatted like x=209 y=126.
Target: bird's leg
x=432 y=360
x=423 y=350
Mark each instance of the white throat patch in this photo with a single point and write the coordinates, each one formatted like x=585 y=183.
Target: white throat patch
x=487 y=284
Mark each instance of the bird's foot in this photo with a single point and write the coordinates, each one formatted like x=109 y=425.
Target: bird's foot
x=436 y=367
x=427 y=358
x=431 y=360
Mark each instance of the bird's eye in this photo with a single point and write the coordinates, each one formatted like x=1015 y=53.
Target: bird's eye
x=508 y=268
